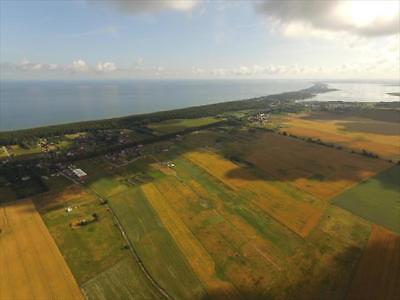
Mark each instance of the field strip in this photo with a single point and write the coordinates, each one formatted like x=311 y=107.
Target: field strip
x=32 y=266
x=378 y=272
x=125 y=237
x=247 y=232
x=134 y=253
x=299 y=217
x=199 y=259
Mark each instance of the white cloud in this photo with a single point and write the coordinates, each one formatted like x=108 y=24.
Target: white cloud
x=105 y=67
x=360 y=69
x=149 y=6
x=79 y=66
x=316 y=18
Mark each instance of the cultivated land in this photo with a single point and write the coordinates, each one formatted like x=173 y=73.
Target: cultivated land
x=375 y=131
x=378 y=275
x=218 y=202
x=377 y=199
x=321 y=171
x=31 y=265
x=176 y=125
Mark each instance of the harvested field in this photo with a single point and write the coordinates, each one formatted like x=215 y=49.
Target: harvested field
x=378 y=273
x=350 y=132
x=198 y=258
x=321 y=171
x=31 y=265
x=376 y=199
x=287 y=205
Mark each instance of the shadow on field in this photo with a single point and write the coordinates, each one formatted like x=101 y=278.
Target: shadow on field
x=388 y=129
x=329 y=281
x=382 y=115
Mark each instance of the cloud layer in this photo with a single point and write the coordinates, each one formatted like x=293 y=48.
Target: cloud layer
x=77 y=66
x=150 y=6
x=364 y=18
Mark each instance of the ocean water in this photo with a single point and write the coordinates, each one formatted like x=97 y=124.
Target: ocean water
x=25 y=104
x=361 y=92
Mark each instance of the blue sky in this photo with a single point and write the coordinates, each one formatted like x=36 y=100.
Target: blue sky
x=199 y=39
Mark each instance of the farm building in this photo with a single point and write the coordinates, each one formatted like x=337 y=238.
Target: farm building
x=79 y=172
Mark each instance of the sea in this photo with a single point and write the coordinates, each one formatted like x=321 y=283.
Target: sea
x=26 y=104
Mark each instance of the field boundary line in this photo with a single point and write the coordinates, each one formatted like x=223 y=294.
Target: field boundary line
x=357 y=183
x=132 y=249
x=136 y=255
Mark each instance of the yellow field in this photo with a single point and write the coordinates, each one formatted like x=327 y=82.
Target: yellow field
x=385 y=145
x=31 y=265
x=198 y=258
x=378 y=274
x=221 y=238
x=287 y=205
x=321 y=171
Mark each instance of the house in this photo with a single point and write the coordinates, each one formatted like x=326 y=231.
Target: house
x=79 y=173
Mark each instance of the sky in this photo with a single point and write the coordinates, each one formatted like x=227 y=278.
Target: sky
x=132 y=39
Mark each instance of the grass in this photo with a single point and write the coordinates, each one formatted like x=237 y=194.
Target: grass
x=155 y=246
x=377 y=199
x=3 y=153
x=19 y=151
x=107 y=186
x=175 y=125
x=122 y=281
x=293 y=208
x=267 y=227
x=91 y=249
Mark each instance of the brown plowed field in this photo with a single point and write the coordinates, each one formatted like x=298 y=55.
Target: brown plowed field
x=31 y=265
x=378 y=273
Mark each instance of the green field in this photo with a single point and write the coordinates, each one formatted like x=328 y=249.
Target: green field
x=151 y=241
x=19 y=151
x=122 y=281
x=175 y=125
x=376 y=199
x=91 y=249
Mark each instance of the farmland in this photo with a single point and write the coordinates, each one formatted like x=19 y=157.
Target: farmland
x=375 y=131
x=378 y=275
x=41 y=272
x=175 y=125
x=304 y=165
x=376 y=199
x=233 y=211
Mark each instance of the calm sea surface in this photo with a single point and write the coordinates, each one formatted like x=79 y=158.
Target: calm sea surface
x=25 y=104
x=361 y=92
